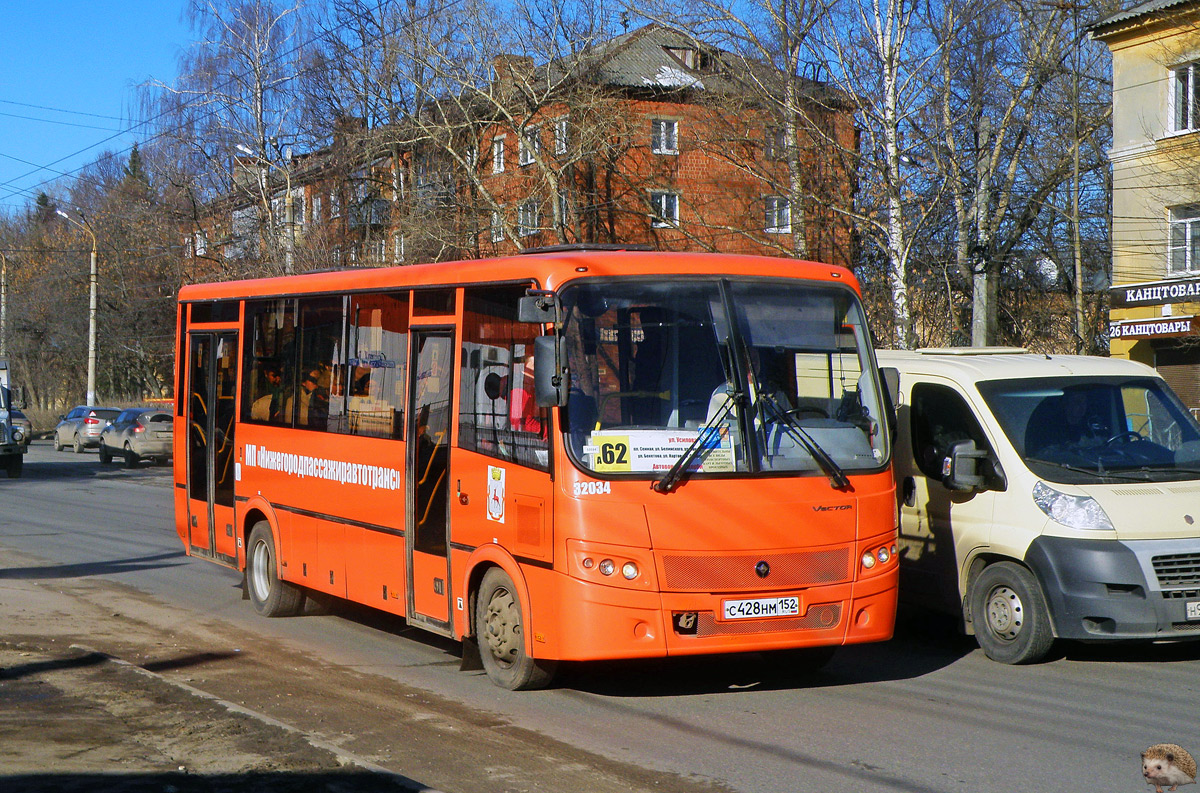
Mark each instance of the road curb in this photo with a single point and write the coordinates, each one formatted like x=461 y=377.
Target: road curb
x=343 y=757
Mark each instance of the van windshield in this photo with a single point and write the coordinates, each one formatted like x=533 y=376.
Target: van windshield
x=1086 y=430
x=759 y=376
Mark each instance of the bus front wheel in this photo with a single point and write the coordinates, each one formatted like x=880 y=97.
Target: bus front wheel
x=500 y=632
x=270 y=596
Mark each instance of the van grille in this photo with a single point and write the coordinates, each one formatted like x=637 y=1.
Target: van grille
x=1177 y=569
x=790 y=570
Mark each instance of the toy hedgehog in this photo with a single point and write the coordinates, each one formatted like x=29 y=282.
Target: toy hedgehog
x=1168 y=764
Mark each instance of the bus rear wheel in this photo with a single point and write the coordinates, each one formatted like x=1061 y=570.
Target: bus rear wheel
x=500 y=632
x=270 y=596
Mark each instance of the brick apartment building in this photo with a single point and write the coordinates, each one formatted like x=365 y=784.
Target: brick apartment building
x=648 y=138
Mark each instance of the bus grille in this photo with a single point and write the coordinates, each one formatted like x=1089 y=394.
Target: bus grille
x=716 y=573
x=817 y=618
x=1177 y=569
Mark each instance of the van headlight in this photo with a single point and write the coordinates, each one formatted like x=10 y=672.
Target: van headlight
x=1076 y=512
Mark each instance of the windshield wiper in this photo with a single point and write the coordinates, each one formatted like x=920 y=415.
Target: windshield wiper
x=1097 y=472
x=703 y=441
x=837 y=477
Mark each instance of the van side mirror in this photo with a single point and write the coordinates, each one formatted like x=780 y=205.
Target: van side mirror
x=960 y=467
x=550 y=378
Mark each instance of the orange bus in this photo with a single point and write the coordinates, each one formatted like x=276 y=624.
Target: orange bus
x=573 y=455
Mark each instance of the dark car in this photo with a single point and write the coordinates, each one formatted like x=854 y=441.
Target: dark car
x=137 y=434
x=81 y=427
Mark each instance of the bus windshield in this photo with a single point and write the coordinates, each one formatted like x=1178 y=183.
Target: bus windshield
x=658 y=368
x=1090 y=430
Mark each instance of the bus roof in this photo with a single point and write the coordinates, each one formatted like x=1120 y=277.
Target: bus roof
x=549 y=270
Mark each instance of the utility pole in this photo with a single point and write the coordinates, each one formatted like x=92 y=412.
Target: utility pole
x=92 y=273
x=3 y=305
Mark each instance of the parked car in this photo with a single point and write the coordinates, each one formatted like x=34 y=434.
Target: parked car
x=137 y=434
x=19 y=419
x=81 y=427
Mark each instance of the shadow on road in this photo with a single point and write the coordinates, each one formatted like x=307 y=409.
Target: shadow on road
x=182 y=782
x=87 y=569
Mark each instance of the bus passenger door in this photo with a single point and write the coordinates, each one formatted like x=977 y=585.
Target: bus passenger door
x=212 y=380
x=428 y=473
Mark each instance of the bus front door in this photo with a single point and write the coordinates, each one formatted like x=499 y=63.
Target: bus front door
x=212 y=380
x=428 y=466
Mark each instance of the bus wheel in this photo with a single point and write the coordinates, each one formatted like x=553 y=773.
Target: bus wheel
x=270 y=596
x=500 y=632
x=1009 y=613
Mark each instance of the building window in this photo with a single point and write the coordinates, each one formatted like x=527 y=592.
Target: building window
x=498 y=155
x=685 y=55
x=530 y=144
x=335 y=205
x=564 y=207
x=200 y=243
x=398 y=247
x=560 y=136
x=316 y=208
x=1184 y=255
x=778 y=215
x=664 y=209
x=774 y=143
x=664 y=136
x=527 y=218
x=497 y=226
x=1185 y=98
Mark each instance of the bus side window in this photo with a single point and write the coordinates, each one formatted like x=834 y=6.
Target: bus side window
x=498 y=415
x=378 y=357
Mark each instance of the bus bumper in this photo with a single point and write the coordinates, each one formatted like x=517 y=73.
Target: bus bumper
x=590 y=622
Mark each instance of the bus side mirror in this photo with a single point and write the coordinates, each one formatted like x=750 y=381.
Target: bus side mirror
x=550 y=371
x=960 y=467
x=539 y=308
x=889 y=376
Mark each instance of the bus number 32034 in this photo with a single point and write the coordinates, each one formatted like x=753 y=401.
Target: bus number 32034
x=592 y=488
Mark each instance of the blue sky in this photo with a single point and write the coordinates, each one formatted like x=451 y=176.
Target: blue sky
x=81 y=57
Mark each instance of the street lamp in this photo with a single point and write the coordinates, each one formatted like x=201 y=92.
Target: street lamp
x=91 y=364
x=289 y=251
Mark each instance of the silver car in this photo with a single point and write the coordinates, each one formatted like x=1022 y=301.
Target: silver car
x=80 y=428
x=137 y=434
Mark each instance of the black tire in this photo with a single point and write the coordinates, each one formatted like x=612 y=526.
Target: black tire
x=15 y=463
x=58 y=444
x=270 y=596
x=500 y=633
x=105 y=454
x=77 y=445
x=131 y=459
x=1009 y=614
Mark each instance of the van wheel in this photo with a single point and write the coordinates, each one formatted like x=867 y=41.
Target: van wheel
x=270 y=596
x=1009 y=613
x=500 y=632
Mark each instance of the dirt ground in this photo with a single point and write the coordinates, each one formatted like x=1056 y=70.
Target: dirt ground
x=102 y=690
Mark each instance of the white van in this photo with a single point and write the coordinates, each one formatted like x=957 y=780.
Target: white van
x=1046 y=497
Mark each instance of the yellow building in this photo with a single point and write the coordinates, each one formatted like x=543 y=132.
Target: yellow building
x=1155 y=155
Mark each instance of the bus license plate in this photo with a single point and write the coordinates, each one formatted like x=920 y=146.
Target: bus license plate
x=1193 y=609
x=761 y=607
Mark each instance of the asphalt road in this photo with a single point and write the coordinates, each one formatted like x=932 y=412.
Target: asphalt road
x=924 y=712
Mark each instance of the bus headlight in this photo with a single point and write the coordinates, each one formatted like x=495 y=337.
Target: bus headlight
x=629 y=570
x=607 y=567
x=1076 y=512
x=868 y=560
